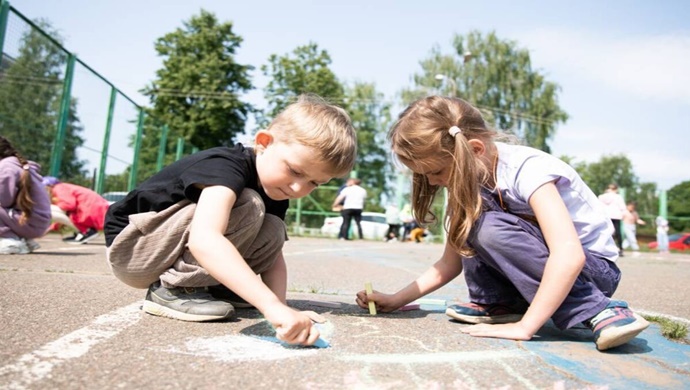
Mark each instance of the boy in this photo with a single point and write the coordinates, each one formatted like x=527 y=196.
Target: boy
x=215 y=219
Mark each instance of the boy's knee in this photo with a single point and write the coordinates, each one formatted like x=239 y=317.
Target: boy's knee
x=267 y=245
x=248 y=212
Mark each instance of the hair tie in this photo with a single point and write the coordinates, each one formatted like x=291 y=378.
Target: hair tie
x=454 y=130
x=25 y=167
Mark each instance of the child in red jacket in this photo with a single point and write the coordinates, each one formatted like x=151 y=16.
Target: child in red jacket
x=85 y=208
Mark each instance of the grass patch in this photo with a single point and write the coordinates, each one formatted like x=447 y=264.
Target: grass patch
x=670 y=329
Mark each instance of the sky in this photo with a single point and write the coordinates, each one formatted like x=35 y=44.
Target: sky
x=623 y=65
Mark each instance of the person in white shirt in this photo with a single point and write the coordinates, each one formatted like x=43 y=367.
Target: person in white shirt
x=615 y=209
x=353 y=196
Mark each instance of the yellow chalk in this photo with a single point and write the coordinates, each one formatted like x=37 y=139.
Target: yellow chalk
x=372 y=304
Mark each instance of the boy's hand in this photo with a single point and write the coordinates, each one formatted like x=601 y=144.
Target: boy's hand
x=292 y=326
x=314 y=316
x=384 y=302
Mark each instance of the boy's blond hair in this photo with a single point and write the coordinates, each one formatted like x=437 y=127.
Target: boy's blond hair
x=326 y=128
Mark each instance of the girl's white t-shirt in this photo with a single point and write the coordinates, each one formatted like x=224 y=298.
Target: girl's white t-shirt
x=521 y=170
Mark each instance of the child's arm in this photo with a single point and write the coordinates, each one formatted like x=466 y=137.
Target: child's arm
x=565 y=262
x=217 y=255
x=276 y=278
x=438 y=275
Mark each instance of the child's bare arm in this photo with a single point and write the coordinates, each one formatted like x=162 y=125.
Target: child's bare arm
x=566 y=256
x=438 y=275
x=276 y=278
x=217 y=255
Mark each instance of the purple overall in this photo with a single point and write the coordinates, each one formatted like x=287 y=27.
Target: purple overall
x=510 y=259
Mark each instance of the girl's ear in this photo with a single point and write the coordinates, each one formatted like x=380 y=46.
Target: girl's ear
x=262 y=139
x=478 y=147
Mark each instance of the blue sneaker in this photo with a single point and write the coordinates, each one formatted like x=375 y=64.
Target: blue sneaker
x=496 y=313
x=615 y=325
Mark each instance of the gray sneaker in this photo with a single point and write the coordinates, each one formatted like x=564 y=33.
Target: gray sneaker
x=186 y=304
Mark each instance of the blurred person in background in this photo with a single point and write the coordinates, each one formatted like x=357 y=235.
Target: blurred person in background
x=84 y=207
x=24 y=203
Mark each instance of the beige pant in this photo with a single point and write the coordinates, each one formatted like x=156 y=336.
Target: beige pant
x=154 y=245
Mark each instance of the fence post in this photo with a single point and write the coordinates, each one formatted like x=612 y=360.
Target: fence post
x=162 y=147
x=663 y=204
x=63 y=120
x=100 y=180
x=137 y=149
x=4 y=17
x=180 y=148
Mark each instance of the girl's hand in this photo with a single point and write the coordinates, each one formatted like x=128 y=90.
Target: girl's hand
x=292 y=326
x=384 y=302
x=514 y=331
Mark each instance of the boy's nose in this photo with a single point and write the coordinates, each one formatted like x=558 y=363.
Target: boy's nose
x=296 y=189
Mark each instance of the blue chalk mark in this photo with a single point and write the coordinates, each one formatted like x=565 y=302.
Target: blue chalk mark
x=320 y=343
x=668 y=360
x=326 y=330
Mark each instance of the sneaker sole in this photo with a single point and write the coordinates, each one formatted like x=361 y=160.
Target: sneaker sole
x=84 y=241
x=621 y=335
x=162 y=311
x=502 y=319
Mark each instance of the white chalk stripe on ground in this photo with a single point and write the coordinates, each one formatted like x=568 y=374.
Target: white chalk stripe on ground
x=35 y=366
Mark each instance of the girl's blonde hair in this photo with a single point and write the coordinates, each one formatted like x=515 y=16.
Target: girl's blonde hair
x=326 y=128
x=24 y=201
x=421 y=136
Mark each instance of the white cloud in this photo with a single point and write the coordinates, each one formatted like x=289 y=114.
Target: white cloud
x=648 y=66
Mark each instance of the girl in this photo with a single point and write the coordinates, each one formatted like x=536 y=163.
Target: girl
x=24 y=202
x=534 y=241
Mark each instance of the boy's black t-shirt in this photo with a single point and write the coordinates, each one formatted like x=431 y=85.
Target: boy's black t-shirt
x=232 y=167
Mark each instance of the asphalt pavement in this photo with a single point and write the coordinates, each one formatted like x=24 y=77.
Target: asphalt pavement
x=67 y=323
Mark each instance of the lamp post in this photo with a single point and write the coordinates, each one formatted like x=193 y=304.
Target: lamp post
x=454 y=86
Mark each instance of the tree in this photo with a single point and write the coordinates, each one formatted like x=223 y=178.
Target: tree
x=371 y=117
x=679 y=206
x=610 y=169
x=197 y=92
x=30 y=95
x=305 y=70
x=497 y=77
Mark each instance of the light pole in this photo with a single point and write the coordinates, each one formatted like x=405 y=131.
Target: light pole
x=442 y=77
x=466 y=57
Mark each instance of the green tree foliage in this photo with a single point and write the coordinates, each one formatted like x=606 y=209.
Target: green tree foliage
x=371 y=116
x=610 y=169
x=497 y=77
x=197 y=92
x=30 y=94
x=679 y=206
x=305 y=70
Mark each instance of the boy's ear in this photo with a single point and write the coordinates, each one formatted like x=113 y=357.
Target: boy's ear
x=262 y=139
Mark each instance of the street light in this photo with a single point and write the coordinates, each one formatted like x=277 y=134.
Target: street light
x=442 y=77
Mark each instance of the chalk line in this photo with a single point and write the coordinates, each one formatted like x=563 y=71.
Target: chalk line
x=35 y=366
